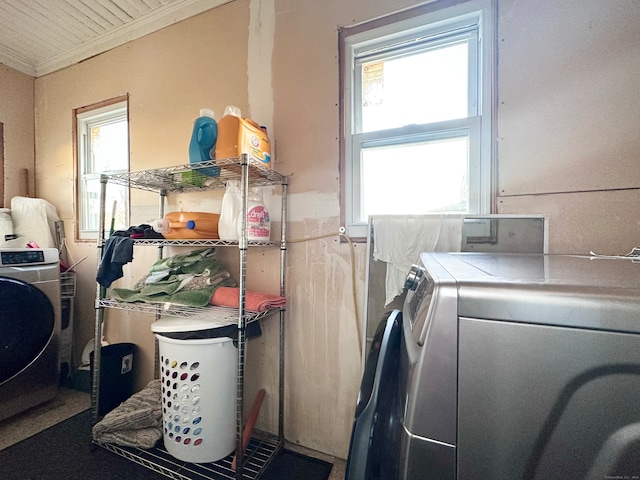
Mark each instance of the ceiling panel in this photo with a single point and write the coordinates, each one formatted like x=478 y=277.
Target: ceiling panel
x=41 y=36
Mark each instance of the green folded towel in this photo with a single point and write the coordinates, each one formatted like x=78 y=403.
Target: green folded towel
x=188 y=298
x=182 y=260
x=187 y=279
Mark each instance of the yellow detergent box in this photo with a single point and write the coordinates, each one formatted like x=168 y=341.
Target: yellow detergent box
x=242 y=135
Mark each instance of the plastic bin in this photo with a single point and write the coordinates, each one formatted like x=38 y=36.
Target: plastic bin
x=116 y=375
x=198 y=394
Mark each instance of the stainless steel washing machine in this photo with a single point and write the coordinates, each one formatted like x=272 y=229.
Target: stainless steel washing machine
x=509 y=367
x=29 y=328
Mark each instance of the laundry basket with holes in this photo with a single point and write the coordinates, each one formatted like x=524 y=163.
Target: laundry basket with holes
x=198 y=371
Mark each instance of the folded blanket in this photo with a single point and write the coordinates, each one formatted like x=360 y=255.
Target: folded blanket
x=137 y=422
x=253 y=301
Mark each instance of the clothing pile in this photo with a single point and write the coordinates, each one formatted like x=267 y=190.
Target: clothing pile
x=138 y=231
x=118 y=251
x=187 y=279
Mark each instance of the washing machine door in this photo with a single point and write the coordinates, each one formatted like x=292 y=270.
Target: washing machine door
x=375 y=438
x=27 y=322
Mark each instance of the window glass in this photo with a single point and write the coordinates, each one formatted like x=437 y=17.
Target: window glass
x=418 y=178
x=424 y=87
x=417 y=114
x=103 y=146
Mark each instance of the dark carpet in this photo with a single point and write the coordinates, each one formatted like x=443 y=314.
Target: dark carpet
x=292 y=465
x=64 y=452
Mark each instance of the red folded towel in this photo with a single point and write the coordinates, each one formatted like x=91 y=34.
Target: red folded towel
x=253 y=301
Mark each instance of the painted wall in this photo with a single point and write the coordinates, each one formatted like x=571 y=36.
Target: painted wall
x=278 y=61
x=16 y=114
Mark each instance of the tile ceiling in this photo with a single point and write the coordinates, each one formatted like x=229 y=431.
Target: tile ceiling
x=41 y=36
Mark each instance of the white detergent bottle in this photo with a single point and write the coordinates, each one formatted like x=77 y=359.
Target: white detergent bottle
x=230 y=213
x=258 y=225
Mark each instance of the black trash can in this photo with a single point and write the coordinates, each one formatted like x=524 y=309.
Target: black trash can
x=116 y=375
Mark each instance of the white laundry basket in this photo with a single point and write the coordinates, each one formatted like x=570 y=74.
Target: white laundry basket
x=198 y=397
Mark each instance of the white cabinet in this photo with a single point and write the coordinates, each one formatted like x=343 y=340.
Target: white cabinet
x=175 y=180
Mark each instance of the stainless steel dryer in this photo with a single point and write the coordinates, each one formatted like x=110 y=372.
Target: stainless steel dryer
x=29 y=328
x=511 y=367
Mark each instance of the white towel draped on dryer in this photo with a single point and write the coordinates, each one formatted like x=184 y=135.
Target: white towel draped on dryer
x=399 y=240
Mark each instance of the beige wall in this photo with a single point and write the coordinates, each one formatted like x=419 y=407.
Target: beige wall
x=568 y=116
x=167 y=84
x=16 y=114
x=278 y=61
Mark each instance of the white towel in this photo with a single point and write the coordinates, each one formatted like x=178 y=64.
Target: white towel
x=399 y=240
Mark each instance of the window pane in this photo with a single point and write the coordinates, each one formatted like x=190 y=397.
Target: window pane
x=109 y=149
x=418 y=178
x=103 y=145
x=91 y=204
x=425 y=87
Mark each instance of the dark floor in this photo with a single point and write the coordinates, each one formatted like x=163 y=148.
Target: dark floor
x=69 y=402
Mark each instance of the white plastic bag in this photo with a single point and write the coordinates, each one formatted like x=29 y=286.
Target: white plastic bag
x=6 y=228
x=34 y=221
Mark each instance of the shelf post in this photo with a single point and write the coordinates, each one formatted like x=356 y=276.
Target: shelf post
x=283 y=251
x=100 y=294
x=242 y=245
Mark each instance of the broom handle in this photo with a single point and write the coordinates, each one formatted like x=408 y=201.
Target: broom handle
x=251 y=423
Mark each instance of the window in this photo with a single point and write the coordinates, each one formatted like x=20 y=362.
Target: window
x=103 y=145
x=416 y=90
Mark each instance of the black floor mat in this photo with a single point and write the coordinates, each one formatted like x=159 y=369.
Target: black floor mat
x=290 y=465
x=64 y=452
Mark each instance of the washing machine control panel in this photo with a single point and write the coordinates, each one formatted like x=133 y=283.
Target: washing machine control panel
x=22 y=257
x=413 y=277
x=418 y=301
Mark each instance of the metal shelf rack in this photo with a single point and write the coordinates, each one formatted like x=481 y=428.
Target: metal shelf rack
x=188 y=178
x=258 y=456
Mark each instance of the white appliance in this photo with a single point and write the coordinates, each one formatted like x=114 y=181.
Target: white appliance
x=29 y=328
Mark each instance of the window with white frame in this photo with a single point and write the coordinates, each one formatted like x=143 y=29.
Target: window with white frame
x=102 y=146
x=417 y=98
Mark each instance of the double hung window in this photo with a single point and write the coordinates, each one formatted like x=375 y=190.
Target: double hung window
x=417 y=113
x=102 y=145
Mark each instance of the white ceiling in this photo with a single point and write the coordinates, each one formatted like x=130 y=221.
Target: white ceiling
x=41 y=36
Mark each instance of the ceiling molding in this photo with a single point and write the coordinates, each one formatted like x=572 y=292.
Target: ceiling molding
x=17 y=62
x=156 y=19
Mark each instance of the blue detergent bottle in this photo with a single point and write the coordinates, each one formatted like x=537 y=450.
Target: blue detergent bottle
x=203 y=141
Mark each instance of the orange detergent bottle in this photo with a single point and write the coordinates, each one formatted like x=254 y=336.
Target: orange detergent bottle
x=237 y=135
x=189 y=225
